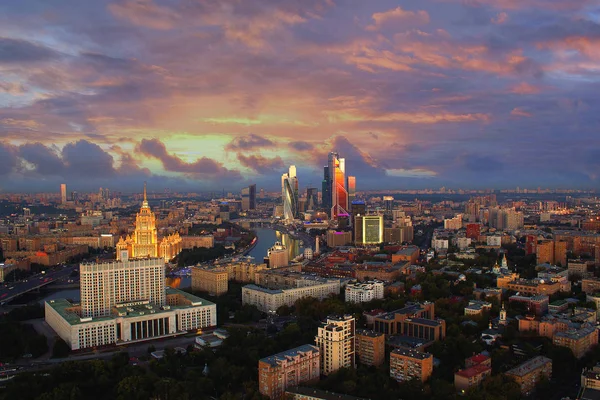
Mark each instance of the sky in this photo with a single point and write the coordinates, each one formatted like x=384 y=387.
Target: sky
x=218 y=94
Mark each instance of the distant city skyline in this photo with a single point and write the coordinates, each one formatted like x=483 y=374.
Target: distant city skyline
x=222 y=95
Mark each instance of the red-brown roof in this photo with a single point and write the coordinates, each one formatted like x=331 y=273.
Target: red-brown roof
x=473 y=371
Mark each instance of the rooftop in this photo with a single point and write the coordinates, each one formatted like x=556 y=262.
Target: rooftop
x=288 y=354
x=473 y=371
x=411 y=353
x=367 y=332
x=320 y=394
x=529 y=366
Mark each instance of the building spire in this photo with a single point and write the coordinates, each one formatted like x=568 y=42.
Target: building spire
x=145 y=196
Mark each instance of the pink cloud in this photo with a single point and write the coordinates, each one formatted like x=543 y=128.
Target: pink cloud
x=398 y=16
x=525 y=88
x=519 y=112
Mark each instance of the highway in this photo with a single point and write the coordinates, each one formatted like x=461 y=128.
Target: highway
x=11 y=290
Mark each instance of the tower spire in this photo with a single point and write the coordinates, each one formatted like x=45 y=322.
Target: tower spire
x=145 y=195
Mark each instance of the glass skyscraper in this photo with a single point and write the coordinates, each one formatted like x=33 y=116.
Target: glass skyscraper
x=289 y=193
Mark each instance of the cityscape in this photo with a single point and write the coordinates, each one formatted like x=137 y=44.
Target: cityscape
x=299 y=200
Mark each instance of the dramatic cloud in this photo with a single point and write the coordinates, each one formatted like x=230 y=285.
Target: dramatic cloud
x=211 y=94
x=202 y=167
x=261 y=164
x=249 y=142
x=16 y=51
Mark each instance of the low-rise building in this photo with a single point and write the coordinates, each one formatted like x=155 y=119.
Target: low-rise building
x=407 y=364
x=370 y=347
x=530 y=373
x=364 y=292
x=590 y=285
x=290 y=368
x=537 y=305
x=309 y=393
x=476 y=308
x=467 y=378
x=477 y=368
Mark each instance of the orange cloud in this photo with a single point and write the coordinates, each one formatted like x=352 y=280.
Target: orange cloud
x=525 y=88
x=398 y=16
x=519 y=112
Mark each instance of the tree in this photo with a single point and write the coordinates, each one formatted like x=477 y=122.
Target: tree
x=60 y=349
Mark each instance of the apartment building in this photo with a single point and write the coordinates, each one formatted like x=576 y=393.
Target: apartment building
x=336 y=342
x=530 y=373
x=364 y=292
x=271 y=299
x=370 y=347
x=215 y=281
x=408 y=364
x=290 y=368
x=477 y=369
x=580 y=341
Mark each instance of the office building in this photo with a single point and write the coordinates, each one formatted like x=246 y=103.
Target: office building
x=336 y=343
x=144 y=243
x=407 y=364
x=364 y=292
x=388 y=204
x=368 y=229
x=288 y=369
x=289 y=194
x=336 y=239
x=249 y=198
x=337 y=184
x=351 y=192
x=359 y=207
x=326 y=190
x=63 y=193
x=370 y=347
x=416 y=320
x=126 y=301
x=530 y=373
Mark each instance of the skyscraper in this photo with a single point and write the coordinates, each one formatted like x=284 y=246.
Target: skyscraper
x=249 y=198
x=351 y=191
x=63 y=193
x=312 y=198
x=326 y=190
x=337 y=179
x=289 y=193
x=144 y=240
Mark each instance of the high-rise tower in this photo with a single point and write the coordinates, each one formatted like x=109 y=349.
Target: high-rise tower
x=326 y=190
x=63 y=193
x=337 y=177
x=289 y=193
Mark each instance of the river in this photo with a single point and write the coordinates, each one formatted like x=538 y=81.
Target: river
x=266 y=238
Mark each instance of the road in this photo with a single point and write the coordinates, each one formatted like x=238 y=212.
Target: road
x=12 y=290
